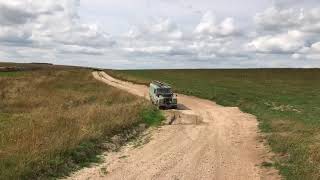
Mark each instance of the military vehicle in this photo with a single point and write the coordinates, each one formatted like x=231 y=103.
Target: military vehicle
x=161 y=95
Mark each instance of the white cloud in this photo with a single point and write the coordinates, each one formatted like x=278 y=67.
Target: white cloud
x=209 y=26
x=167 y=28
x=163 y=29
x=296 y=56
x=281 y=19
x=275 y=18
x=54 y=24
x=313 y=52
x=150 y=49
x=83 y=35
x=313 y=56
x=291 y=31
x=316 y=47
x=21 y=12
x=9 y=35
x=74 y=49
x=227 y=27
x=289 y=42
x=133 y=33
x=164 y=38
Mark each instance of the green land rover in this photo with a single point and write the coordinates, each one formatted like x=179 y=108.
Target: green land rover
x=161 y=95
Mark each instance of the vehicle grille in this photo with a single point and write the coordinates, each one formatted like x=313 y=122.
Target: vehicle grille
x=167 y=101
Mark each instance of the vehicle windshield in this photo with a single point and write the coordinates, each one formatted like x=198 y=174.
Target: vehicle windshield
x=164 y=91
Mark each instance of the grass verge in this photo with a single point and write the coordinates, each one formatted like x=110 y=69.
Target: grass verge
x=286 y=102
x=152 y=116
x=53 y=120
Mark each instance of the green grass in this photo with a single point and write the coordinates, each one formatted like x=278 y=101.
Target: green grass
x=152 y=116
x=10 y=74
x=285 y=101
x=52 y=120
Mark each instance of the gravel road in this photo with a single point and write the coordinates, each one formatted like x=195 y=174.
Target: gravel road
x=208 y=141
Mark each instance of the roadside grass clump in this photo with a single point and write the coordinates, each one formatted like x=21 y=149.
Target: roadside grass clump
x=52 y=121
x=152 y=116
x=285 y=101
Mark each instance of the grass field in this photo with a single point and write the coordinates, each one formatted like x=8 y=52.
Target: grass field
x=285 y=101
x=10 y=74
x=53 y=119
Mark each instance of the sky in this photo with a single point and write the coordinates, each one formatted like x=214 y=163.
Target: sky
x=152 y=34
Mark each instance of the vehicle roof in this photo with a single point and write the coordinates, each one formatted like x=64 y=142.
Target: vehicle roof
x=159 y=84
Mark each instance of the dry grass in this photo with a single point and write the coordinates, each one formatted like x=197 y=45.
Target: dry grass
x=50 y=120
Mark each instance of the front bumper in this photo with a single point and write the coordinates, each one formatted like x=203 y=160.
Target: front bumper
x=167 y=105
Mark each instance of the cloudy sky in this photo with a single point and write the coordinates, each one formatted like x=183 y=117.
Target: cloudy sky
x=131 y=34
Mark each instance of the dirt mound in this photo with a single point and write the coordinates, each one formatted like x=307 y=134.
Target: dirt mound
x=175 y=117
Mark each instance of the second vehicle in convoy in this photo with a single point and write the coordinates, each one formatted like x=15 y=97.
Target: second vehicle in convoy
x=161 y=95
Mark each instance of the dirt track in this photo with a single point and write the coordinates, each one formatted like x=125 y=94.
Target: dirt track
x=209 y=141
